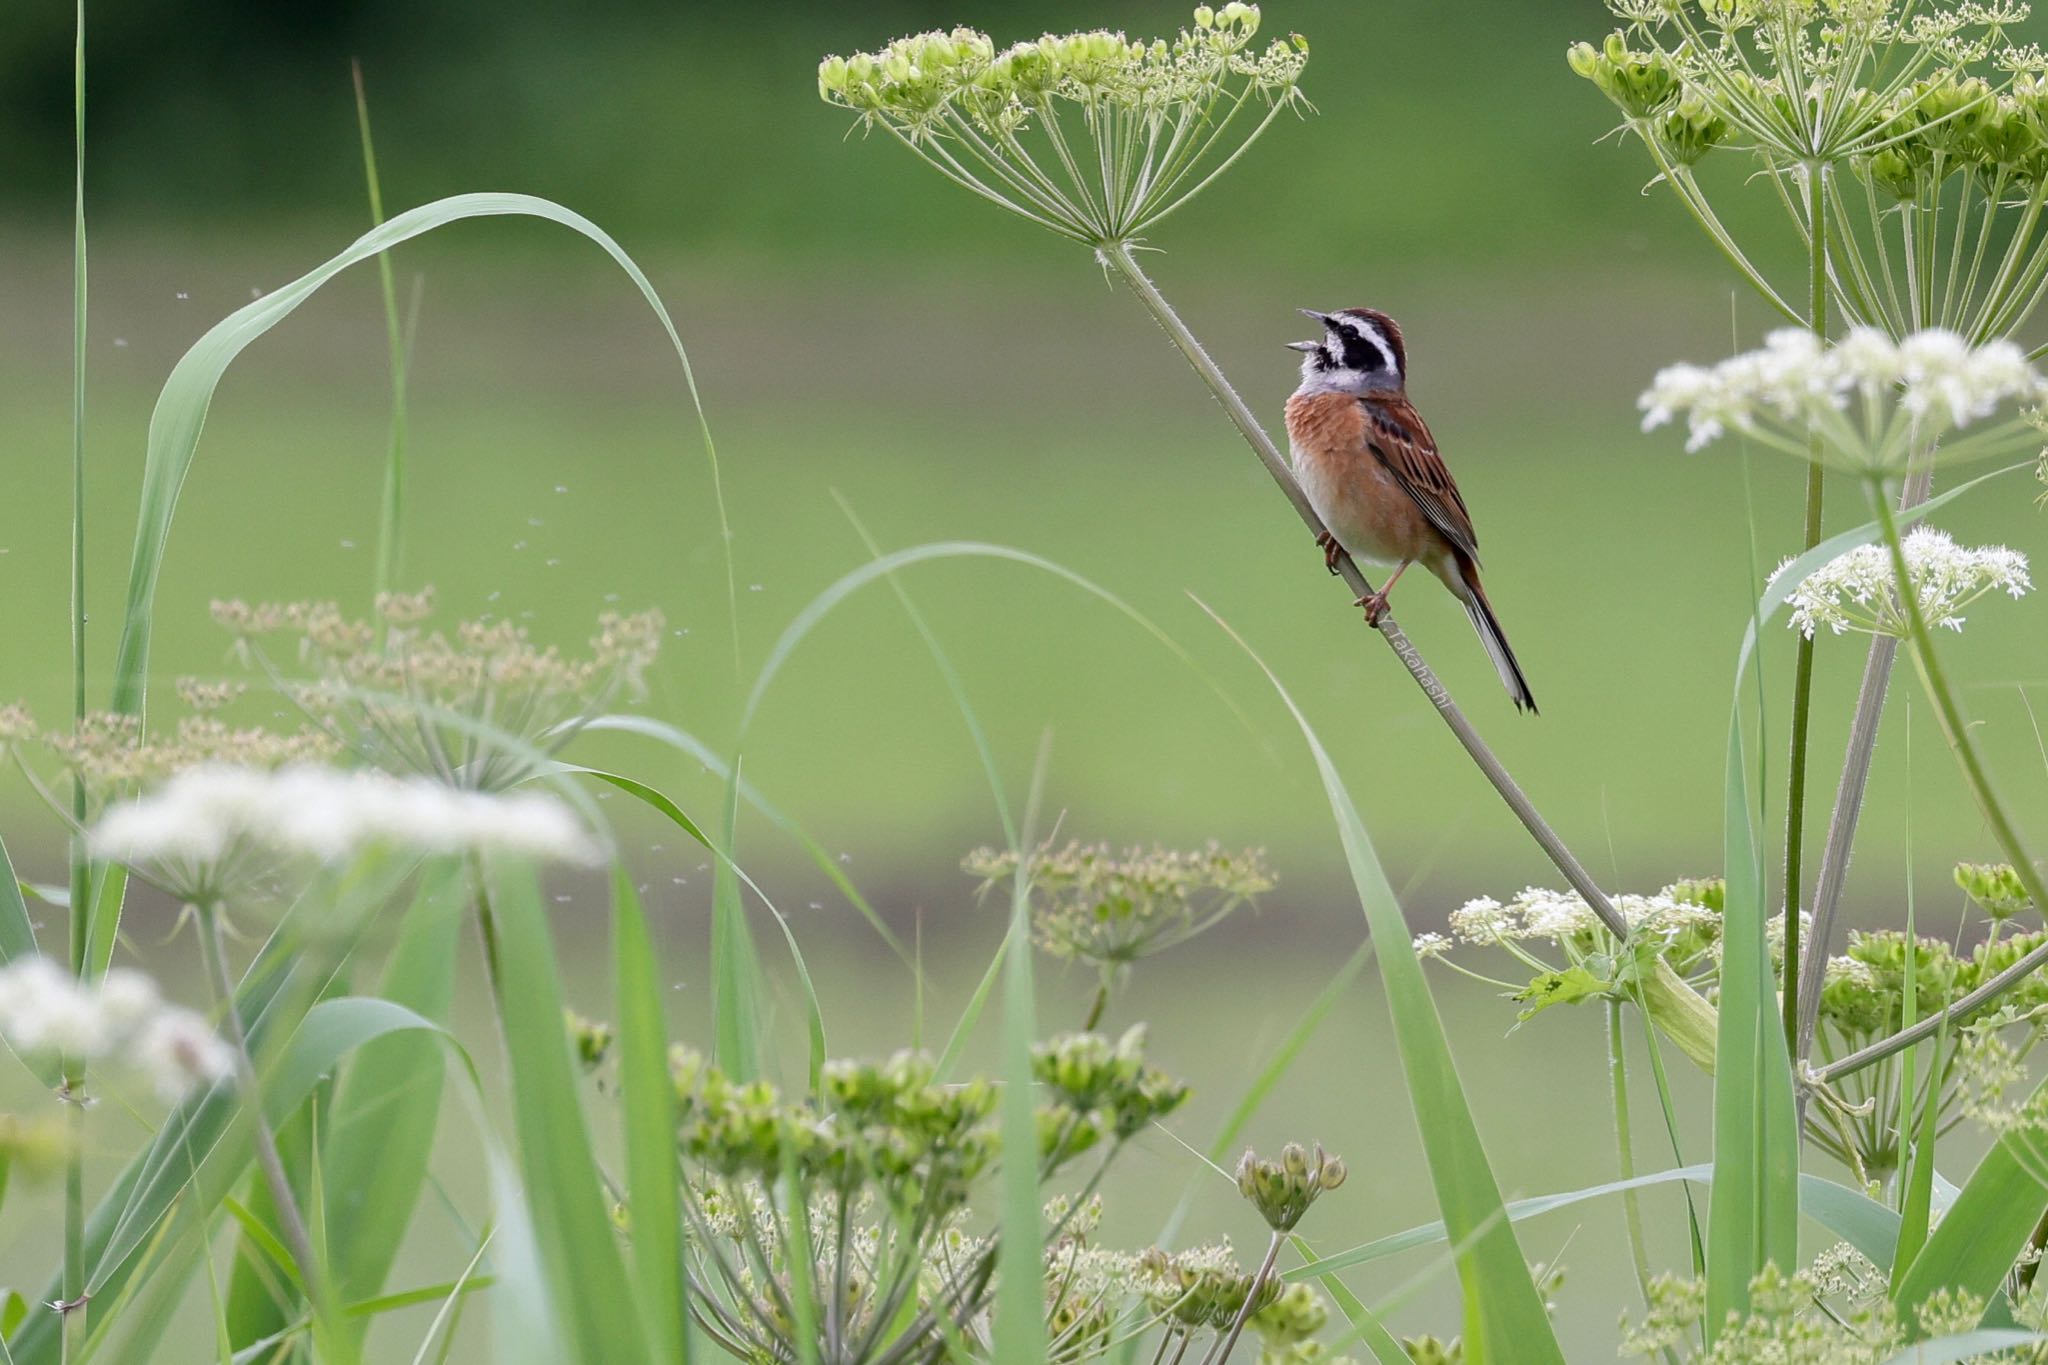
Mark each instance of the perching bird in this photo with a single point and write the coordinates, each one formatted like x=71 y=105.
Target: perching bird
x=1372 y=472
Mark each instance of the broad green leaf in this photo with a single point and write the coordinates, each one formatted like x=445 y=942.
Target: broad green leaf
x=579 y=1252
x=380 y=1132
x=649 y=1104
x=1567 y=987
x=1860 y=1221
x=1505 y=1320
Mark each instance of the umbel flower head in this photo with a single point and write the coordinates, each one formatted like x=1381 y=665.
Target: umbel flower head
x=1873 y=402
x=120 y=1019
x=1856 y=590
x=1110 y=909
x=213 y=828
x=1282 y=1190
x=479 y=708
x=1092 y=135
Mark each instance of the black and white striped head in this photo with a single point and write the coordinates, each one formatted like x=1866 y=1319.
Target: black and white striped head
x=1360 y=352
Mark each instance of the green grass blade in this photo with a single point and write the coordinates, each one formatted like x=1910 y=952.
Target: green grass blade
x=180 y=414
x=17 y=931
x=1020 y=1256
x=1862 y=1222
x=1986 y=1227
x=649 y=1106
x=465 y=1283
x=1969 y=1346
x=737 y=987
x=579 y=1253
x=1505 y=1319
x=1365 y=1324
x=814 y=1016
x=525 y=1319
x=688 y=743
x=1754 y=1215
x=391 y=513
x=388 y=1105
x=1917 y=1212
x=886 y=566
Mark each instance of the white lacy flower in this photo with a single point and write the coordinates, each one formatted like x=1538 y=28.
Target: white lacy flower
x=207 y=815
x=1556 y=916
x=45 y=1012
x=1794 y=384
x=1855 y=590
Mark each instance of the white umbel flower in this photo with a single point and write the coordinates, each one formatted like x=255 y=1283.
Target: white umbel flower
x=207 y=816
x=120 y=1020
x=1857 y=590
x=1867 y=396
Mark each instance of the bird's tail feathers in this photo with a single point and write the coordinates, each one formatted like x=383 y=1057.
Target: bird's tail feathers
x=1496 y=641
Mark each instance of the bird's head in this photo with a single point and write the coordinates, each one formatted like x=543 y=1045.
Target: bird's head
x=1360 y=351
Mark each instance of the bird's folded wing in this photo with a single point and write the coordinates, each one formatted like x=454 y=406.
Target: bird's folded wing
x=1396 y=433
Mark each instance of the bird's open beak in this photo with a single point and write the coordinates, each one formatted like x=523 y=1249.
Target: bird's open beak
x=1304 y=345
x=1323 y=318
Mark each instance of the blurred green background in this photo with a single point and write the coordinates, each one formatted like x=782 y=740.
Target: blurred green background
x=862 y=331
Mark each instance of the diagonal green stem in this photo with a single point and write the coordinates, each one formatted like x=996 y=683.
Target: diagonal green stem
x=391 y=516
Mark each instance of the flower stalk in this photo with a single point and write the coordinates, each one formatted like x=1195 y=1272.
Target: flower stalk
x=291 y=1223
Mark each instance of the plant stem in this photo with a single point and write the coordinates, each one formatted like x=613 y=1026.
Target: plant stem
x=1802 y=670
x=1841 y=836
x=292 y=1225
x=80 y=916
x=1956 y=730
x=1624 y=1147
x=1095 y=1010
x=1222 y=1351
x=1118 y=256
x=390 y=520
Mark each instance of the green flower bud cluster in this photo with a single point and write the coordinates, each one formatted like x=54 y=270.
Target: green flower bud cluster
x=1995 y=887
x=592 y=1039
x=1110 y=909
x=1154 y=110
x=1688 y=129
x=1282 y=1190
x=1641 y=83
x=1863 y=991
x=1203 y=1288
x=1296 y=1315
x=912 y=80
x=1099 y=1089
x=1430 y=1350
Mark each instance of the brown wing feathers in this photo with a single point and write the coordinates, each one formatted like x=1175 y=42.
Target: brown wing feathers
x=1397 y=434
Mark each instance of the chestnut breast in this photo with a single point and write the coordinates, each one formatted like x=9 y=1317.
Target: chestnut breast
x=1351 y=488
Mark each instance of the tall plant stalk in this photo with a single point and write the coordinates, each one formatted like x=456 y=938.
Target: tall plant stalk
x=1848 y=807
x=81 y=867
x=1120 y=257
x=1802 y=671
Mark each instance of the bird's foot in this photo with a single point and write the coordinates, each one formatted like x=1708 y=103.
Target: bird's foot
x=1375 y=605
x=1331 y=549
